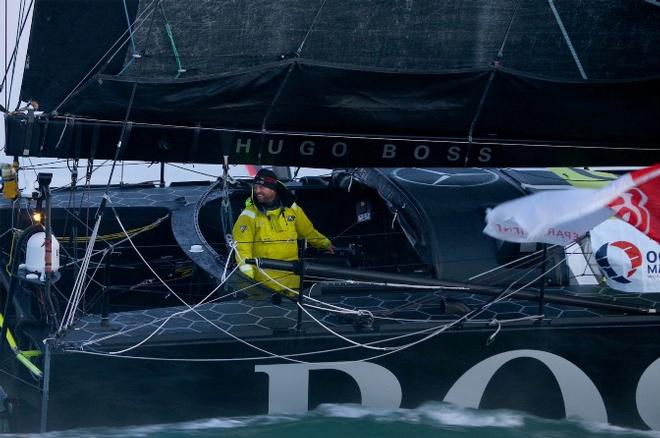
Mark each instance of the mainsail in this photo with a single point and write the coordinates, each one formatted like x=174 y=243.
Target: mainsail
x=344 y=83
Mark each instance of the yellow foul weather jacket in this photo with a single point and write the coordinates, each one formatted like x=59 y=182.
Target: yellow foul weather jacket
x=274 y=235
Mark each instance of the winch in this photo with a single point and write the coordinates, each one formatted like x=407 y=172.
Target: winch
x=35 y=254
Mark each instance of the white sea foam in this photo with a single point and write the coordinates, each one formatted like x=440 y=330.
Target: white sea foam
x=455 y=416
x=212 y=423
x=617 y=430
x=440 y=419
x=429 y=413
x=351 y=411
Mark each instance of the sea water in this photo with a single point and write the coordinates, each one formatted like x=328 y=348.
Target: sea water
x=429 y=420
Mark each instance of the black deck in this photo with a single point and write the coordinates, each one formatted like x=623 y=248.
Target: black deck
x=260 y=319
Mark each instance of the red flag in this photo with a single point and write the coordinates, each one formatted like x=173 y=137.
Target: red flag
x=252 y=170
x=563 y=216
x=640 y=206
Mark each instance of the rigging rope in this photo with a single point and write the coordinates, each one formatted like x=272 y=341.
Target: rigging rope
x=226 y=215
x=193 y=171
x=158 y=320
x=183 y=312
x=109 y=122
x=5 y=64
x=518 y=260
x=309 y=30
x=273 y=355
x=78 y=291
x=118 y=235
x=13 y=59
x=76 y=294
x=130 y=31
x=139 y=21
x=170 y=36
x=13 y=68
x=564 y=33
x=504 y=295
x=431 y=332
x=495 y=65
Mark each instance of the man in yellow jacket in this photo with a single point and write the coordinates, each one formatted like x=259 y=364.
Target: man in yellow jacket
x=270 y=227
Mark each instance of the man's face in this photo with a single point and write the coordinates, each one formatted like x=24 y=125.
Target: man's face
x=263 y=194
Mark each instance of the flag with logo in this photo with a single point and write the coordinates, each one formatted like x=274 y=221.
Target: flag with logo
x=563 y=216
x=628 y=259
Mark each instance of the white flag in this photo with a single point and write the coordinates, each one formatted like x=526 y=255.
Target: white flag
x=627 y=257
x=563 y=216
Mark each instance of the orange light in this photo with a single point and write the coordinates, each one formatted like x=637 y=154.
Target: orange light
x=37 y=217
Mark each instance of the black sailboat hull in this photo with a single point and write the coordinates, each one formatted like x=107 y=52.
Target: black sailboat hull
x=579 y=360
x=584 y=369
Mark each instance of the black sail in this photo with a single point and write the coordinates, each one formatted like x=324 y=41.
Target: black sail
x=346 y=83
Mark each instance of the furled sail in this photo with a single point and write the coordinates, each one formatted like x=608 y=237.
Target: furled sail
x=346 y=83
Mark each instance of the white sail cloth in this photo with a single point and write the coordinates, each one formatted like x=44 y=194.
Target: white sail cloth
x=563 y=216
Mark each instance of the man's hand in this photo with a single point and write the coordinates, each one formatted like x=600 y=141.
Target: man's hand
x=330 y=250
